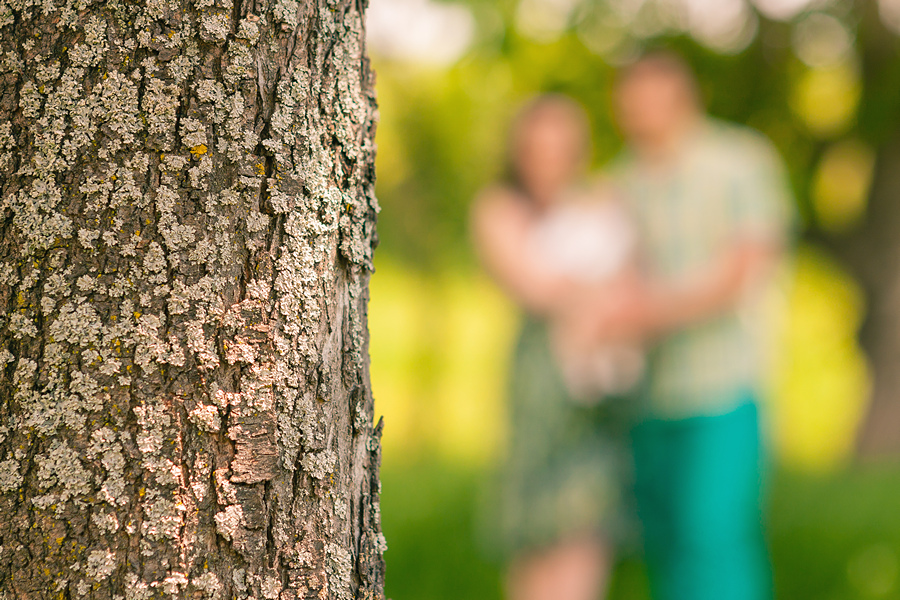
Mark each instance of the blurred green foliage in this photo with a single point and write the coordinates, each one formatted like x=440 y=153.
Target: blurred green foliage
x=447 y=125
x=441 y=334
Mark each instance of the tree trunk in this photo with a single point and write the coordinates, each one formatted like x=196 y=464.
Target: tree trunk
x=872 y=251
x=186 y=242
x=873 y=256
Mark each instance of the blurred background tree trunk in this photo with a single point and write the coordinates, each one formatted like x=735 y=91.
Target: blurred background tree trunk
x=871 y=250
x=188 y=223
x=873 y=256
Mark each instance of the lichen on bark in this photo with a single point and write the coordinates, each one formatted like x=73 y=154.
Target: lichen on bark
x=187 y=189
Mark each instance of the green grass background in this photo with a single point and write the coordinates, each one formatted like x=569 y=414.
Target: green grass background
x=834 y=537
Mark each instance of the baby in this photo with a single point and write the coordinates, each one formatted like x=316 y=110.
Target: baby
x=589 y=239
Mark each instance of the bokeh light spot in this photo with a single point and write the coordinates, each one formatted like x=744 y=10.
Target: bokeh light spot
x=782 y=10
x=726 y=26
x=419 y=31
x=890 y=13
x=544 y=20
x=826 y=99
x=821 y=378
x=821 y=40
x=874 y=570
x=841 y=184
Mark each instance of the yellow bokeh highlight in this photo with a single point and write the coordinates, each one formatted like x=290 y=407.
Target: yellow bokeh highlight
x=440 y=348
x=840 y=187
x=826 y=99
x=821 y=379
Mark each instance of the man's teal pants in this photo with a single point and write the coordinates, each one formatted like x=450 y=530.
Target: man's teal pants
x=698 y=491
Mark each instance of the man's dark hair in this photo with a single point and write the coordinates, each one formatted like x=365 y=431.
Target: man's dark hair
x=664 y=62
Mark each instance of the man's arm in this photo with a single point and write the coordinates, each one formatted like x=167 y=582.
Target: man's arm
x=652 y=309
x=712 y=291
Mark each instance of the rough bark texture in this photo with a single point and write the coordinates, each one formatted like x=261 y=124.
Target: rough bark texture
x=188 y=221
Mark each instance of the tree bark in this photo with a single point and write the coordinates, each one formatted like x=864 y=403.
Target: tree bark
x=188 y=224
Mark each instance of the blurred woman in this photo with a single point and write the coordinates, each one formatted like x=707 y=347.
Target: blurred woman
x=553 y=243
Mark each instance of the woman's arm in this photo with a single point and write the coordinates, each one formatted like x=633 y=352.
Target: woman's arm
x=500 y=227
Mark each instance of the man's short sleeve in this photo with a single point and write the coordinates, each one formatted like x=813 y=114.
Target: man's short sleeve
x=760 y=200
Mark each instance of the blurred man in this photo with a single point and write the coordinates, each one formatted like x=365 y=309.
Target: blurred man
x=712 y=203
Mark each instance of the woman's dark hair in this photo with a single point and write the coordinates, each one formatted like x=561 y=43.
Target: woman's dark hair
x=538 y=107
